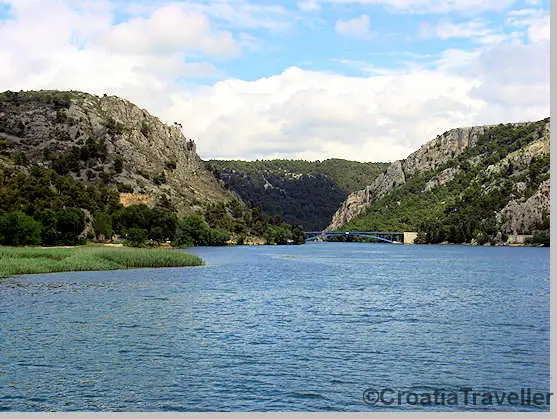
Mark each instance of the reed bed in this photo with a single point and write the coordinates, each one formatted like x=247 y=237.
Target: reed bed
x=35 y=260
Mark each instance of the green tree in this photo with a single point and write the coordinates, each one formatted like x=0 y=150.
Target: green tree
x=102 y=225
x=190 y=230
x=49 y=232
x=70 y=222
x=19 y=229
x=298 y=235
x=166 y=220
x=136 y=237
x=214 y=237
x=157 y=234
x=134 y=216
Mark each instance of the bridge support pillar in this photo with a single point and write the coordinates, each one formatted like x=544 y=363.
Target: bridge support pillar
x=409 y=237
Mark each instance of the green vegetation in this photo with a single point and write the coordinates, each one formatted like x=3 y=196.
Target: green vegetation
x=301 y=192
x=464 y=209
x=118 y=163
x=35 y=260
x=39 y=195
x=540 y=238
x=18 y=229
x=39 y=206
x=57 y=99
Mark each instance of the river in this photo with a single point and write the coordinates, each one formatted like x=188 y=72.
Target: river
x=287 y=328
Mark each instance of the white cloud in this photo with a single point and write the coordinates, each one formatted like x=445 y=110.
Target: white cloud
x=311 y=115
x=243 y=14
x=535 y=20
x=309 y=5
x=170 y=29
x=468 y=7
x=476 y=30
x=60 y=47
x=383 y=115
x=357 y=27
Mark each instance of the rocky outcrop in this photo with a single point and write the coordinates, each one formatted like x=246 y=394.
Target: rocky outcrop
x=428 y=157
x=441 y=149
x=128 y=199
x=522 y=217
x=444 y=177
x=113 y=140
x=438 y=152
x=358 y=202
x=355 y=204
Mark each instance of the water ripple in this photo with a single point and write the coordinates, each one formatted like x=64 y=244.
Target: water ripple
x=278 y=328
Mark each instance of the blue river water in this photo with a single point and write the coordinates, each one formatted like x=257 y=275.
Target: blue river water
x=283 y=328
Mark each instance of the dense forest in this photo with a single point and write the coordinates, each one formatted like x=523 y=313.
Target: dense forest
x=301 y=192
x=39 y=206
x=465 y=209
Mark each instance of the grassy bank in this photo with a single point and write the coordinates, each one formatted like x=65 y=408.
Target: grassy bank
x=35 y=260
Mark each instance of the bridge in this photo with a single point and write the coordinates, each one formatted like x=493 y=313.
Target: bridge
x=383 y=236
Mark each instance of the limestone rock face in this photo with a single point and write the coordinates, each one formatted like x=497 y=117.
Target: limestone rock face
x=441 y=149
x=157 y=160
x=433 y=155
x=355 y=204
x=358 y=202
x=444 y=177
x=521 y=217
x=428 y=157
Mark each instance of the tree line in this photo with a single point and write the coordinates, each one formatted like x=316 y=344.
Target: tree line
x=40 y=206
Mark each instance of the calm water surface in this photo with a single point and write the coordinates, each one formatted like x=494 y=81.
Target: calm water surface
x=279 y=328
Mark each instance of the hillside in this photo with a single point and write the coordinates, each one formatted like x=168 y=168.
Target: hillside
x=74 y=166
x=302 y=192
x=478 y=185
x=106 y=139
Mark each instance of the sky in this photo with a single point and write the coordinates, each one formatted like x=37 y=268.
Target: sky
x=365 y=80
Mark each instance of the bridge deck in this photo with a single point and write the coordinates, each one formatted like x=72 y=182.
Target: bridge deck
x=386 y=236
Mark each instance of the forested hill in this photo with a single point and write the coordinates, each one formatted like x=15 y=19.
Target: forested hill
x=468 y=185
x=109 y=140
x=75 y=166
x=302 y=192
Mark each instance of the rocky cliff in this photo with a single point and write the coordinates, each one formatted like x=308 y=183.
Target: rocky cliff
x=505 y=166
x=106 y=139
x=428 y=157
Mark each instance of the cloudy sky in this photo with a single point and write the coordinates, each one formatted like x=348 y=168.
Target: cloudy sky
x=367 y=80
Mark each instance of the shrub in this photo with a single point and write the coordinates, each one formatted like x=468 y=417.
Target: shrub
x=124 y=188
x=540 y=238
x=3 y=144
x=145 y=129
x=171 y=164
x=160 y=178
x=113 y=127
x=136 y=237
x=118 y=163
x=61 y=116
x=21 y=159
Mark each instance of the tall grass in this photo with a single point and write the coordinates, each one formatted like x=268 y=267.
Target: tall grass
x=34 y=260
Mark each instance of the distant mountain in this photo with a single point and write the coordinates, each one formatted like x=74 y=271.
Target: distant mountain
x=301 y=192
x=479 y=184
x=109 y=140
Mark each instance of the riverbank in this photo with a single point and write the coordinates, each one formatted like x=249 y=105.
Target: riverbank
x=36 y=260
